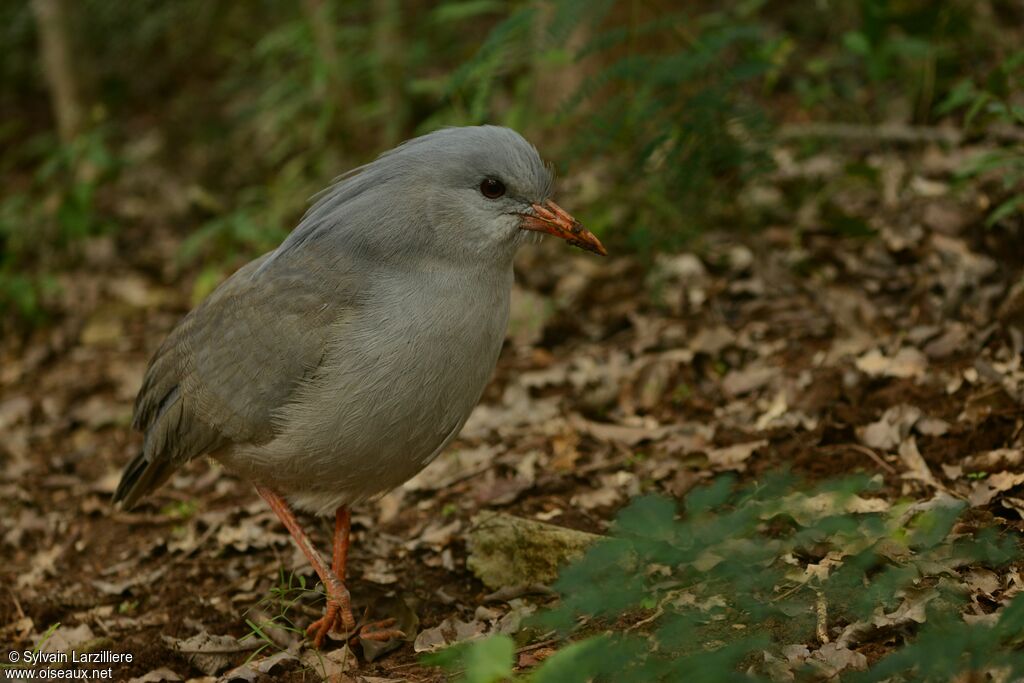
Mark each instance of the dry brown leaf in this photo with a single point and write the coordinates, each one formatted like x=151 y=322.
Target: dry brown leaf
x=248 y=534
x=954 y=339
x=331 y=665
x=832 y=658
x=257 y=669
x=988 y=488
x=1013 y=503
x=808 y=509
x=999 y=458
x=931 y=426
x=379 y=570
x=712 y=340
x=891 y=429
x=629 y=435
x=14 y=411
x=210 y=653
x=734 y=457
x=564 y=450
x=452 y=466
x=156 y=676
x=517 y=409
x=68 y=638
x=614 y=486
x=449 y=632
x=599 y=497
x=981 y=580
x=139 y=578
x=907 y=362
x=915 y=463
x=751 y=378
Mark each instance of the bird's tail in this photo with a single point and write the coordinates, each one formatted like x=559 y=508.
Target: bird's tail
x=139 y=478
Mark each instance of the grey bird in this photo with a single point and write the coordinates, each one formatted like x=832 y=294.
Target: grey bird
x=337 y=366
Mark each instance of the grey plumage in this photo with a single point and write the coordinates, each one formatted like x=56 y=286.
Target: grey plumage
x=338 y=365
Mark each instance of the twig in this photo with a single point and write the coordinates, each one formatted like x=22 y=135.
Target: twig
x=17 y=605
x=821 y=610
x=789 y=592
x=659 y=611
x=868 y=452
x=537 y=646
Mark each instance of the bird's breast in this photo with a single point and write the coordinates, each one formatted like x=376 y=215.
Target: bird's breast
x=399 y=380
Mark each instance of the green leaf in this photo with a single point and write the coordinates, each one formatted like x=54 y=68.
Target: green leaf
x=575 y=662
x=458 y=11
x=983 y=99
x=857 y=43
x=482 y=661
x=490 y=660
x=1004 y=210
x=648 y=517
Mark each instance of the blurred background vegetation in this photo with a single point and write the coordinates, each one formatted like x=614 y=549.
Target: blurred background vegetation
x=214 y=122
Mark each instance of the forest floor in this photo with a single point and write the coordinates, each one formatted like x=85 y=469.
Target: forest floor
x=872 y=325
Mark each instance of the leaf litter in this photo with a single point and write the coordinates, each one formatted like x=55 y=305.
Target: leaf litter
x=896 y=356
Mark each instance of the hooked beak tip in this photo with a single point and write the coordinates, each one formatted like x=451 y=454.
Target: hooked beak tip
x=554 y=220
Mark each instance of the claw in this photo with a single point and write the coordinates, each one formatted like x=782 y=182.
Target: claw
x=378 y=630
x=335 y=617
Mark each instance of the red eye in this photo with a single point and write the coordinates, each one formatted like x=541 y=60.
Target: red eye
x=492 y=188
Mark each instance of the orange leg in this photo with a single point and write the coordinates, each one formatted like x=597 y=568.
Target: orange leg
x=339 y=605
x=342 y=529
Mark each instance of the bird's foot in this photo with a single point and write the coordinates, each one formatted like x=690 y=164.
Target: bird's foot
x=334 y=620
x=337 y=614
x=338 y=617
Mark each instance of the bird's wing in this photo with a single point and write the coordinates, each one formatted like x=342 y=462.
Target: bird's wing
x=225 y=368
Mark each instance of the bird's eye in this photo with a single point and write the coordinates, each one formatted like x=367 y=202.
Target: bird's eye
x=492 y=188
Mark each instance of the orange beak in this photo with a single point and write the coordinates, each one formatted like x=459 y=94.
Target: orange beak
x=554 y=220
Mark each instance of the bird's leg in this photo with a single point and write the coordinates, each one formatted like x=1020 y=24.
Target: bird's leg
x=339 y=606
x=375 y=630
x=336 y=611
x=342 y=529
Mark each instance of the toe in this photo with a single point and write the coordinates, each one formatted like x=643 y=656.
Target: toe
x=380 y=630
x=322 y=626
x=386 y=634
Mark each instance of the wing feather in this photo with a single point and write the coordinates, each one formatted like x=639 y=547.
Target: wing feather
x=230 y=363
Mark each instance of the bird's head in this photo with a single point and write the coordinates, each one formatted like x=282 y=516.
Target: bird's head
x=486 y=189
x=458 y=194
